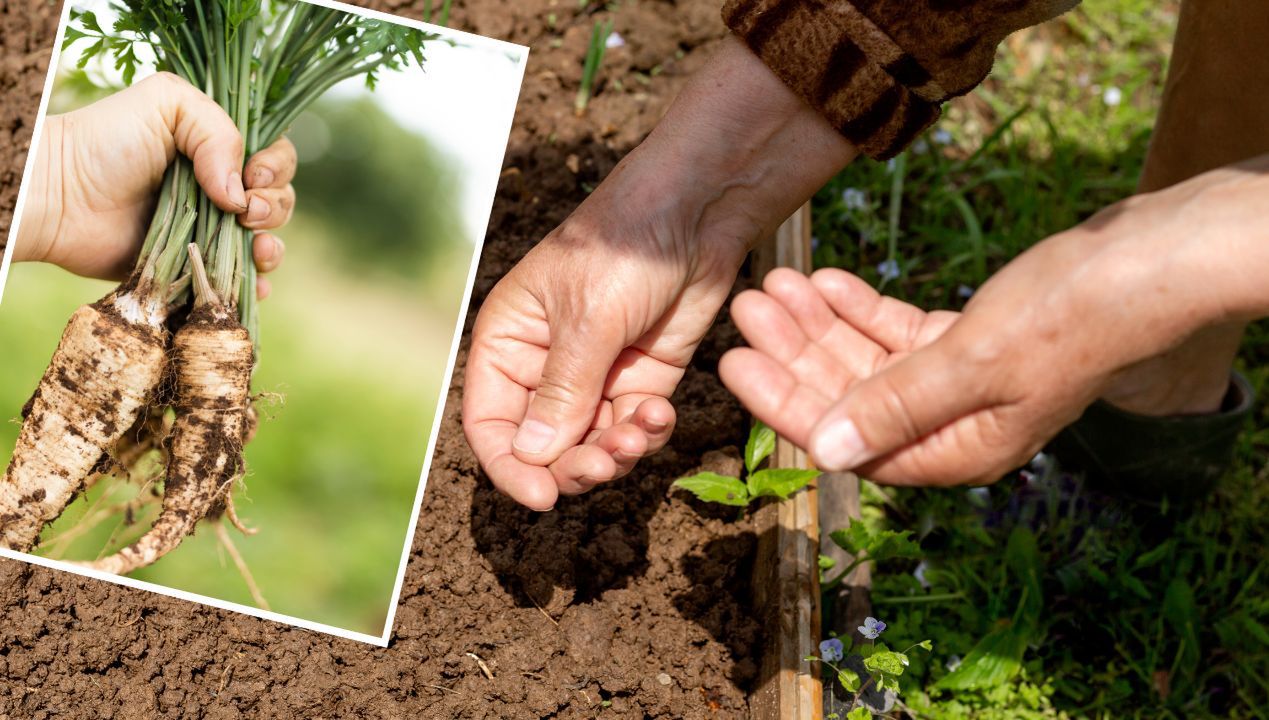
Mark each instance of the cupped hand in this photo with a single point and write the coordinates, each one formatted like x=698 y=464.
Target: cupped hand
x=576 y=352
x=578 y=349
x=98 y=170
x=906 y=397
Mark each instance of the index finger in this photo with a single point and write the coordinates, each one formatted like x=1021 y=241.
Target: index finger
x=272 y=167
x=494 y=405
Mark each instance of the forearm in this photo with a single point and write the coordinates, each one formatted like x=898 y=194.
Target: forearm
x=736 y=154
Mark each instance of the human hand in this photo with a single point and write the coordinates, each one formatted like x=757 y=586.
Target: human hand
x=576 y=352
x=914 y=398
x=98 y=170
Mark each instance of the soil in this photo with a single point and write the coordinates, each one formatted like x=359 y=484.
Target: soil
x=630 y=602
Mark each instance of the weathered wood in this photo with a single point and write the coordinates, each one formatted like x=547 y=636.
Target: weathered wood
x=786 y=575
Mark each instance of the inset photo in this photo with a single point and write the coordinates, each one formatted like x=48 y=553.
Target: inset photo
x=232 y=291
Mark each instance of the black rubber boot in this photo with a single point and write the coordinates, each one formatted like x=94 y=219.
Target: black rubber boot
x=1180 y=458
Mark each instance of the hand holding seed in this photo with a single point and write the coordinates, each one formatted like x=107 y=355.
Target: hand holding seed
x=98 y=170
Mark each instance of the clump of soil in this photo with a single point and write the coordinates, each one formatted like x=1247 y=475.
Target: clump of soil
x=629 y=602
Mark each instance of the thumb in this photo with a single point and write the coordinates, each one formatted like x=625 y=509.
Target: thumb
x=896 y=407
x=568 y=395
x=203 y=132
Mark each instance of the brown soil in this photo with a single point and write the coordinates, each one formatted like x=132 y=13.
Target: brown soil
x=629 y=602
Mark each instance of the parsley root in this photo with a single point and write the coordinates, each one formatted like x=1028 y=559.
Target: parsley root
x=212 y=356
x=106 y=367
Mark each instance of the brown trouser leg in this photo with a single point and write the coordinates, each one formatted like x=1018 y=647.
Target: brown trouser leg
x=1215 y=112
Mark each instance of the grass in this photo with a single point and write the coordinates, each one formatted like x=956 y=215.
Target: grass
x=1146 y=612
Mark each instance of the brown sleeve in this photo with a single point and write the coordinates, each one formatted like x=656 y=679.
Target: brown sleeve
x=879 y=70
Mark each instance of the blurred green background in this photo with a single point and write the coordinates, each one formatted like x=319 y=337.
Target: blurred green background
x=355 y=339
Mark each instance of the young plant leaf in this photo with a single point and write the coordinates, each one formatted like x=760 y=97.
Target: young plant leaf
x=887 y=662
x=761 y=444
x=993 y=661
x=712 y=487
x=780 y=482
x=881 y=545
x=849 y=679
x=859 y=713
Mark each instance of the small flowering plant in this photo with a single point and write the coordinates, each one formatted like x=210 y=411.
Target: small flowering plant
x=770 y=482
x=869 y=665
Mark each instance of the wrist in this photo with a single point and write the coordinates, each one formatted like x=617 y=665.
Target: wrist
x=41 y=213
x=744 y=151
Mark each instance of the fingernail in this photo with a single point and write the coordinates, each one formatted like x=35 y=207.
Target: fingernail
x=839 y=446
x=258 y=211
x=533 y=437
x=233 y=186
x=264 y=177
x=275 y=248
x=654 y=426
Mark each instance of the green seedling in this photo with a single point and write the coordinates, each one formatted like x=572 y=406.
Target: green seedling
x=770 y=482
x=866 y=545
x=442 y=19
x=867 y=666
x=590 y=68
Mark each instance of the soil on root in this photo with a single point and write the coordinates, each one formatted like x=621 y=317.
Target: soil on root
x=629 y=602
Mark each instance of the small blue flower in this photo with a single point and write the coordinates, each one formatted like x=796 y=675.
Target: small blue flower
x=872 y=628
x=888 y=269
x=854 y=199
x=831 y=650
x=920 y=147
x=965 y=292
x=942 y=137
x=614 y=41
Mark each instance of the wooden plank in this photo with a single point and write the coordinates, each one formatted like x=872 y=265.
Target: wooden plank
x=786 y=573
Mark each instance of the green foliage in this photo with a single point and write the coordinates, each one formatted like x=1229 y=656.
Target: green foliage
x=761 y=443
x=866 y=544
x=780 y=483
x=869 y=667
x=590 y=66
x=715 y=488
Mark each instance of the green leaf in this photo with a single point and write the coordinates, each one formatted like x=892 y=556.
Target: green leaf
x=89 y=52
x=859 y=713
x=89 y=20
x=72 y=35
x=888 y=662
x=712 y=487
x=761 y=444
x=1181 y=614
x=857 y=539
x=781 y=482
x=926 y=645
x=993 y=661
x=849 y=679
x=825 y=563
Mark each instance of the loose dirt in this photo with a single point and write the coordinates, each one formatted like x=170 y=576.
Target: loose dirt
x=630 y=602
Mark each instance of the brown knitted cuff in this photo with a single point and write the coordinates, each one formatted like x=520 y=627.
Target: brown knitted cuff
x=817 y=55
x=880 y=69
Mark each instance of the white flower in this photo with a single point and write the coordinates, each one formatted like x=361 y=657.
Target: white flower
x=891 y=164
x=979 y=495
x=888 y=269
x=1113 y=96
x=942 y=137
x=614 y=41
x=919 y=574
x=953 y=662
x=854 y=199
